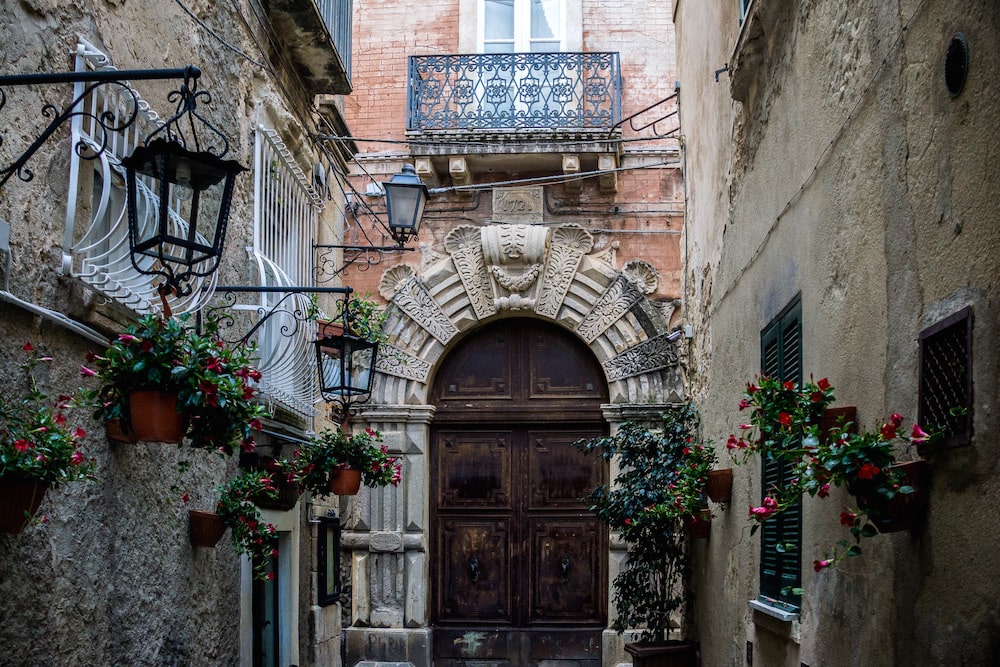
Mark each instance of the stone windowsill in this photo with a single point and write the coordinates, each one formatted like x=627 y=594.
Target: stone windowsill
x=774 y=612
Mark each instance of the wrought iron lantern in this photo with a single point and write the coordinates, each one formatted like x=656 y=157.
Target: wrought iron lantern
x=178 y=198
x=346 y=365
x=405 y=198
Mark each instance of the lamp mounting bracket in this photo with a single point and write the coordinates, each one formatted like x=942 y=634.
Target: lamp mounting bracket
x=105 y=120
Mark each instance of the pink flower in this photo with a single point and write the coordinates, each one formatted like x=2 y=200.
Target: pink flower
x=22 y=445
x=820 y=564
x=127 y=338
x=744 y=404
x=824 y=491
x=370 y=432
x=77 y=458
x=752 y=388
x=745 y=427
x=86 y=372
x=896 y=419
x=628 y=521
x=732 y=443
x=848 y=518
x=918 y=435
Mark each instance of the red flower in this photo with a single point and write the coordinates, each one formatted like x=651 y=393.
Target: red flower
x=823 y=384
x=789 y=385
x=22 y=445
x=28 y=347
x=628 y=521
x=744 y=404
x=60 y=419
x=816 y=396
x=784 y=418
x=896 y=419
x=77 y=458
x=686 y=451
x=752 y=388
x=255 y=375
x=214 y=364
x=868 y=471
x=185 y=498
x=820 y=564
x=824 y=491
x=848 y=518
x=888 y=431
x=248 y=445
x=79 y=433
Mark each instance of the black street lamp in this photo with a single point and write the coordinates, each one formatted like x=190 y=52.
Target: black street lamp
x=405 y=198
x=346 y=365
x=178 y=194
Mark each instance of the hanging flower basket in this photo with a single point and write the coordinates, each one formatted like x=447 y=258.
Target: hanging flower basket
x=720 y=485
x=345 y=481
x=154 y=416
x=904 y=511
x=19 y=500
x=115 y=432
x=206 y=528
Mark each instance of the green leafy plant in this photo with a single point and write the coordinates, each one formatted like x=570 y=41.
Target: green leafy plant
x=785 y=423
x=38 y=441
x=251 y=535
x=662 y=477
x=214 y=383
x=332 y=450
x=364 y=318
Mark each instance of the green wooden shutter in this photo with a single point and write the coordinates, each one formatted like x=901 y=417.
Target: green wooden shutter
x=781 y=357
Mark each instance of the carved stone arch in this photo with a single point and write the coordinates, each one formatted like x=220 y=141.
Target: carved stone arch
x=551 y=273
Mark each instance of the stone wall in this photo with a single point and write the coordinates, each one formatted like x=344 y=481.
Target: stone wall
x=831 y=162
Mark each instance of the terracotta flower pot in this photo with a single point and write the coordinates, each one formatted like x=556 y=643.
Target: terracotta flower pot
x=699 y=526
x=206 y=528
x=903 y=511
x=345 y=482
x=154 y=416
x=114 y=431
x=664 y=654
x=720 y=485
x=19 y=500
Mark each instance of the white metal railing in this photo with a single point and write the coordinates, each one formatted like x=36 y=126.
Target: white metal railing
x=286 y=211
x=98 y=253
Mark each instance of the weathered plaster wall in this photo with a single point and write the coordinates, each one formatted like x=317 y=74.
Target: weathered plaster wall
x=854 y=179
x=111 y=578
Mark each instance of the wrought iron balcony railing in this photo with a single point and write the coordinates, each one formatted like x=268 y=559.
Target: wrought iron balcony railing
x=514 y=91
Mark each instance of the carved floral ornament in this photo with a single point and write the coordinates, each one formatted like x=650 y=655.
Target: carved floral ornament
x=548 y=272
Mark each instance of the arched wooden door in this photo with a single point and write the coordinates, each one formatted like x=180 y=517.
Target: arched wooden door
x=519 y=564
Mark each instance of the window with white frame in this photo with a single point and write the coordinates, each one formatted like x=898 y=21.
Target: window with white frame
x=522 y=26
x=286 y=211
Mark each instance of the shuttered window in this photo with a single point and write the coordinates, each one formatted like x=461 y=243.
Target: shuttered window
x=781 y=535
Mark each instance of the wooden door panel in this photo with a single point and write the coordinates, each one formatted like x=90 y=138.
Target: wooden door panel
x=555 y=371
x=476 y=646
x=474 y=578
x=559 y=475
x=481 y=371
x=474 y=470
x=566 y=571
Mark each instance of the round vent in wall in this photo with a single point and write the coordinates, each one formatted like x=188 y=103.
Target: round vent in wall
x=956 y=64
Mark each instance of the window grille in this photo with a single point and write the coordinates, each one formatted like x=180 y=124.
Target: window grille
x=97 y=252
x=945 y=395
x=286 y=211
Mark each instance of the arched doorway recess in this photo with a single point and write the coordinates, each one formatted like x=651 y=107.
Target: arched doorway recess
x=518 y=563
x=482 y=276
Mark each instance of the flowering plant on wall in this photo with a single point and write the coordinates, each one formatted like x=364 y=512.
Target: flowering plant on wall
x=213 y=383
x=38 y=440
x=786 y=422
x=333 y=450
x=251 y=535
x=661 y=479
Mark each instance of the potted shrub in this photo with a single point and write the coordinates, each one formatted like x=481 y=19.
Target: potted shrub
x=162 y=380
x=251 y=535
x=325 y=462
x=661 y=479
x=39 y=446
x=794 y=423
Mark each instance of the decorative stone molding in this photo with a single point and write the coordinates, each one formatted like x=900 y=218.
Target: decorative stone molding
x=413 y=299
x=464 y=243
x=650 y=355
x=569 y=244
x=642 y=274
x=620 y=296
x=394 y=361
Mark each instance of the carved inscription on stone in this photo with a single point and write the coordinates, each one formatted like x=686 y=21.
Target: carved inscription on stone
x=464 y=243
x=518 y=204
x=650 y=355
x=569 y=244
x=387 y=542
x=617 y=300
x=394 y=361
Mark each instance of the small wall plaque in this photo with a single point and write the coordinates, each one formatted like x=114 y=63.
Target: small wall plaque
x=518 y=205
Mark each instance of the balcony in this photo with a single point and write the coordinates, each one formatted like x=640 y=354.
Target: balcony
x=316 y=36
x=520 y=102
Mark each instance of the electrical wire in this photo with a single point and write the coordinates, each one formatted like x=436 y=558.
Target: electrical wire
x=556 y=178
x=218 y=37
